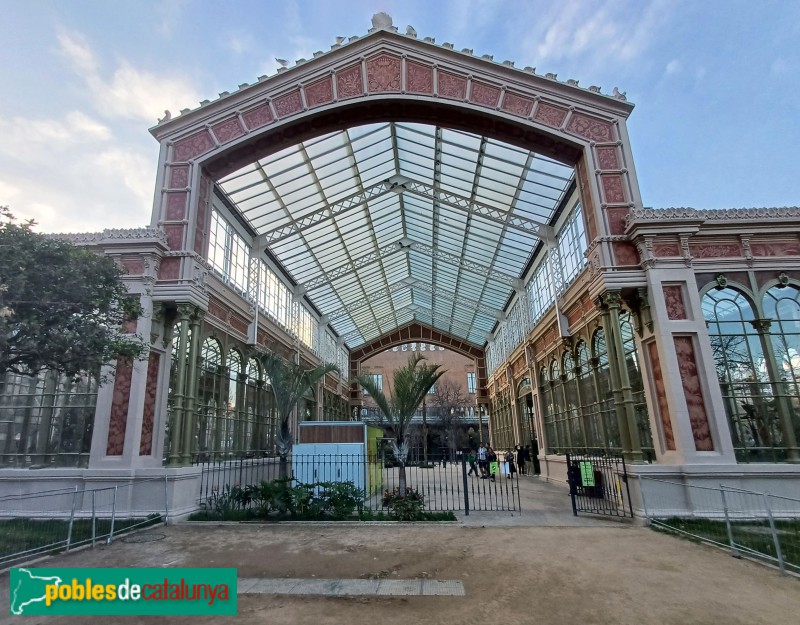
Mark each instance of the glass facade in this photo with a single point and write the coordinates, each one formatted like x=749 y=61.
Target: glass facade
x=757 y=358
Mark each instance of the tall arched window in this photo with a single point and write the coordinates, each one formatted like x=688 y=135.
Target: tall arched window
x=210 y=398
x=572 y=402
x=605 y=395
x=548 y=409
x=743 y=375
x=782 y=305
x=590 y=409
x=232 y=428
x=633 y=364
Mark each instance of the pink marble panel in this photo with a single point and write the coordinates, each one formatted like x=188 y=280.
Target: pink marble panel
x=178 y=177
x=661 y=396
x=257 y=117
x=176 y=206
x=666 y=250
x=715 y=250
x=616 y=220
x=133 y=266
x=228 y=130
x=199 y=241
x=451 y=86
x=118 y=420
x=625 y=253
x=419 y=78
x=607 y=158
x=383 y=73
x=320 y=92
x=673 y=299
x=483 y=94
x=517 y=105
x=349 y=82
x=288 y=104
x=151 y=389
x=551 y=115
x=170 y=269
x=174 y=234
x=190 y=147
x=693 y=391
x=613 y=188
x=784 y=248
x=591 y=128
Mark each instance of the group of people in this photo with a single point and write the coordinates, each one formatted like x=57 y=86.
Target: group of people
x=480 y=462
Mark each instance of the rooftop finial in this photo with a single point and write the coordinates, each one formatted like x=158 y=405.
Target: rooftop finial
x=382 y=20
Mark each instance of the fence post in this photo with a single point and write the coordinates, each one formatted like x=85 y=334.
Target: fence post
x=113 y=516
x=572 y=486
x=778 y=552
x=166 y=500
x=94 y=520
x=72 y=518
x=466 y=483
x=734 y=550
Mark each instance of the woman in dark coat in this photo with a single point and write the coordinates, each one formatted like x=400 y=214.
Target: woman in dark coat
x=520 y=459
x=509 y=458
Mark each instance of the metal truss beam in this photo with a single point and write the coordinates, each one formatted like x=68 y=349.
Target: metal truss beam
x=416 y=310
x=352 y=266
x=437 y=254
x=325 y=213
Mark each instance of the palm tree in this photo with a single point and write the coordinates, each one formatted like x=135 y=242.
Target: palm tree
x=411 y=385
x=289 y=382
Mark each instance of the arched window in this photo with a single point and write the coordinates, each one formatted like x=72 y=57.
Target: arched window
x=232 y=429
x=605 y=395
x=782 y=306
x=743 y=375
x=634 y=366
x=572 y=403
x=593 y=424
x=210 y=398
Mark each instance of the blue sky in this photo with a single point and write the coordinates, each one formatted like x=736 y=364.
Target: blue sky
x=716 y=85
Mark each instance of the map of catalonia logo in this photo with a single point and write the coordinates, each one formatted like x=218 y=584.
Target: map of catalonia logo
x=143 y=591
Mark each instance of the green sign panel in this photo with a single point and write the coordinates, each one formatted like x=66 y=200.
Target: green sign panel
x=122 y=591
x=494 y=468
x=587 y=474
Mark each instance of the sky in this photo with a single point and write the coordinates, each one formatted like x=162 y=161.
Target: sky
x=716 y=84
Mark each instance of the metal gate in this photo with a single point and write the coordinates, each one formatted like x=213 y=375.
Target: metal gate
x=598 y=484
x=493 y=487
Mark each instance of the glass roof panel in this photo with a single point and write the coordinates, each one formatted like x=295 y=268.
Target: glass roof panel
x=359 y=241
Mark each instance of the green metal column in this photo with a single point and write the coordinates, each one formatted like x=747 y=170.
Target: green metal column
x=176 y=427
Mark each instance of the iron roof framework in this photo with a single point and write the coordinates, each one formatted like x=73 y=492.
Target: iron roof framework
x=385 y=224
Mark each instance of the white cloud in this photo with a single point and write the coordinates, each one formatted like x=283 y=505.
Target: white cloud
x=29 y=139
x=673 y=67
x=135 y=171
x=600 y=33
x=7 y=192
x=130 y=93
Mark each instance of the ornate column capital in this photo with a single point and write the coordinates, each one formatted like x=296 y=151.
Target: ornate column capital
x=762 y=326
x=185 y=311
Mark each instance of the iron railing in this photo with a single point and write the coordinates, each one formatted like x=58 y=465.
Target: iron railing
x=760 y=525
x=33 y=525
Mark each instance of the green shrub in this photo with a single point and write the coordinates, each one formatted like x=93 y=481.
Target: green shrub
x=410 y=507
x=341 y=498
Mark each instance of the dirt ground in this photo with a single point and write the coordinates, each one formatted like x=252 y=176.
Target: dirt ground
x=577 y=575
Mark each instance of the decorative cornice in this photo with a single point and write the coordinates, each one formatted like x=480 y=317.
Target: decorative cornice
x=722 y=214
x=113 y=235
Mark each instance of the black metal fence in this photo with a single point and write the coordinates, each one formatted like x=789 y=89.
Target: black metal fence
x=444 y=481
x=598 y=484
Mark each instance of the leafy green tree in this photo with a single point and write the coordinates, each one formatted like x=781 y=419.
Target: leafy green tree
x=289 y=382
x=411 y=384
x=62 y=307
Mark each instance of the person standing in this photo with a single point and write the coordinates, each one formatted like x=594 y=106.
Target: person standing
x=509 y=458
x=491 y=461
x=520 y=459
x=484 y=468
x=473 y=468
